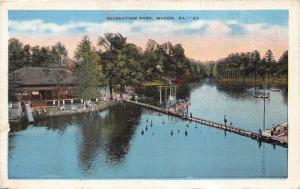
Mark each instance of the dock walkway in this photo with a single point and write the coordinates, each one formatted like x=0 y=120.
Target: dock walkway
x=242 y=132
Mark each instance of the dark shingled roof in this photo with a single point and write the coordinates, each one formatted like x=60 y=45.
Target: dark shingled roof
x=44 y=76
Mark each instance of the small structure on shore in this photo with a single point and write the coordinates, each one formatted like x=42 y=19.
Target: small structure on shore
x=37 y=86
x=32 y=89
x=168 y=88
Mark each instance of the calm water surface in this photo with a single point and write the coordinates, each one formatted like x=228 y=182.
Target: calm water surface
x=87 y=146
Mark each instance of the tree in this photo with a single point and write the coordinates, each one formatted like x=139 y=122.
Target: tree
x=283 y=64
x=284 y=58
x=255 y=59
x=268 y=61
x=59 y=54
x=27 y=55
x=152 y=63
x=88 y=71
x=15 y=54
x=269 y=57
x=151 y=46
x=245 y=60
x=166 y=52
x=35 y=56
x=113 y=45
x=129 y=71
x=24 y=55
x=179 y=60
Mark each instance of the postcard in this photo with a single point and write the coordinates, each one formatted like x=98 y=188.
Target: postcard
x=140 y=94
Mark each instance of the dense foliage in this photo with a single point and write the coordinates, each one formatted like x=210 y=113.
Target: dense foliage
x=118 y=63
x=21 y=55
x=251 y=65
x=126 y=64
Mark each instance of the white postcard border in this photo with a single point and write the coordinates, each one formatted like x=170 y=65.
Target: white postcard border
x=293 y=93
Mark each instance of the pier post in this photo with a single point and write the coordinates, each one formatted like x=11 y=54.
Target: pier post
x=63 y=102
x=160 y=101
x=71 y=101
x=19 y=108
x=53 y=102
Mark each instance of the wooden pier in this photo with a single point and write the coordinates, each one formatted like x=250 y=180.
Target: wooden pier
x=256 y=136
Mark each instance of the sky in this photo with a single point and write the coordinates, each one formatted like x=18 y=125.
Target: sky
x=204 y=34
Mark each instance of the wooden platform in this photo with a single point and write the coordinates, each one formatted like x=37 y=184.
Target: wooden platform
x=250 y=134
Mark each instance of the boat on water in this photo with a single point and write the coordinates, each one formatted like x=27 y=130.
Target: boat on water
x=274 y=90
x=261 y=94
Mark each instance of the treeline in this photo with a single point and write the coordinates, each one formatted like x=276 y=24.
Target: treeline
x=252 y=65
x=21 y=55
x=116 y=62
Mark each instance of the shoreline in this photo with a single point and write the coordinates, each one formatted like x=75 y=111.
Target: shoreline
x=54 y=112
x=252 y=82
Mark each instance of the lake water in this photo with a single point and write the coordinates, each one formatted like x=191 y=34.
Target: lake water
x=112 y=146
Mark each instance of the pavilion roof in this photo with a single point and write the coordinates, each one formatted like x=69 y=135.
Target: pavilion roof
x=35 y=76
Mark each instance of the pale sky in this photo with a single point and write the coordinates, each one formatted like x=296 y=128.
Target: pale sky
x=205 y=35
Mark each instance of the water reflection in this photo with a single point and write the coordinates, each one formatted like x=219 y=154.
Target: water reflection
x=234 y=91
x=58 y=124
x=110 y=134
x=285 y=93
x=90 y=139
x=118 y=129
x=244 y=91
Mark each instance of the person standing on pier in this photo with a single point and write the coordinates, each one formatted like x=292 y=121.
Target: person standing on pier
x=260 y=132
x=225 y=120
